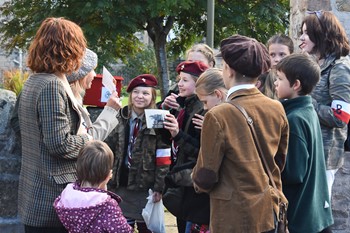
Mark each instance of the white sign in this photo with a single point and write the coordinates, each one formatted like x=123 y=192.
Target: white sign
x=105 y=94
x=108 y=80
x=155 y=117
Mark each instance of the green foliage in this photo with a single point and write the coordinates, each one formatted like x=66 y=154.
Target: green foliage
x=143 y=62
x=124 y=93
x=259 y=19
x=109 y=25
x=14 y=80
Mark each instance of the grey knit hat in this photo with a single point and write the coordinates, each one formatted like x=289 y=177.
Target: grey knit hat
x=88 y=64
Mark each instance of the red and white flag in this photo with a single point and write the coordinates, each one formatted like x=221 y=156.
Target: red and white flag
x=341 y=110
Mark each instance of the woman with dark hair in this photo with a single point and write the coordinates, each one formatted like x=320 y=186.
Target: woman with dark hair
x=49 y=122
x=323 y=36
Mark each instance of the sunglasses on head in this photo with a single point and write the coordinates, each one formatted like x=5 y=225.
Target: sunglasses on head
x=317 y=13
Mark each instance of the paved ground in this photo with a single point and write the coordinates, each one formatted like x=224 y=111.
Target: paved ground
x=170 y=223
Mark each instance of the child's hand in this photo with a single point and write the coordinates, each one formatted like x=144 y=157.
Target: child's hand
x=170 y=101
x=171 y=124
x=157 y=196
x=197 y=120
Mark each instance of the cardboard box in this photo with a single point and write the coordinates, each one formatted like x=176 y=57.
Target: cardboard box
x=98 y=95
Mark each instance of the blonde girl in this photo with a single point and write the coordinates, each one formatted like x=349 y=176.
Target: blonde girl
x=211 y=91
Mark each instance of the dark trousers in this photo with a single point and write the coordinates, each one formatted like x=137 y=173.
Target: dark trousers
x=181 y=225
x=327 y=230
x=30 y=229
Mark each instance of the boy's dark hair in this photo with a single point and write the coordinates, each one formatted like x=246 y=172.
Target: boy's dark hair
x=95 y=160
x=300 y=67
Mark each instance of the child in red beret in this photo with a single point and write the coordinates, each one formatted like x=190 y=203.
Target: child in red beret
x=186 y=144
x=198 y=52
x=142 y=156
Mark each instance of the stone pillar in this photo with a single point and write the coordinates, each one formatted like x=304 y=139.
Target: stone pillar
x=10 y=160
x=341 y=187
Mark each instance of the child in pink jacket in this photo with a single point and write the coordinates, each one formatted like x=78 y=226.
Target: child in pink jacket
x=86 y=205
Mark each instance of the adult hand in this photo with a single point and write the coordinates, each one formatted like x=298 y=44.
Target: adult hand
x=197 y=120
x=170 y=101
x=171 y=124
x=114 y=101
x=157 y=196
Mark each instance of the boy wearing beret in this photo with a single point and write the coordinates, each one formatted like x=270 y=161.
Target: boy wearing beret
x=185 y=146
x=142 y=155
x=229 y=166
x=304 y=177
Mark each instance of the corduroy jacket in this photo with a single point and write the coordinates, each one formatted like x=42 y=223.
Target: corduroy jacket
x=229 y=167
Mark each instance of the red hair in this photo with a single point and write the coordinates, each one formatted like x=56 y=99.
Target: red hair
x=58 y=46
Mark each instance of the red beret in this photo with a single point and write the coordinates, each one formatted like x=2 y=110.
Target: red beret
x=145 y=80
x=195 y=68
x=245 y=55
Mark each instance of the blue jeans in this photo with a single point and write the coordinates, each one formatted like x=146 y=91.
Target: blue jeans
x=188 y=227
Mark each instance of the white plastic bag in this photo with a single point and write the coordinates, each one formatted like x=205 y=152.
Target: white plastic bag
x=153 y=214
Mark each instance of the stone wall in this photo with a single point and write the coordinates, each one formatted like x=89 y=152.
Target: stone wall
x=9 y=166
x=341 y=187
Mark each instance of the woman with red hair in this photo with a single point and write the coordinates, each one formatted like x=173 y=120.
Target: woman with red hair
x=49 y=122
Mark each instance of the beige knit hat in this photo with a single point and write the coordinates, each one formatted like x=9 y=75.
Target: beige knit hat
x=88 y=64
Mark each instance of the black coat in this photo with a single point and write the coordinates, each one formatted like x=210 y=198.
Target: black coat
x=195 y=207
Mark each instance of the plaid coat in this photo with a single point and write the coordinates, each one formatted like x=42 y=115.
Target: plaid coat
x=50 y=146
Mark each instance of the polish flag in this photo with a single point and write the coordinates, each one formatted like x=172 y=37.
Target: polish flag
x=163 y=157
x=341 y=110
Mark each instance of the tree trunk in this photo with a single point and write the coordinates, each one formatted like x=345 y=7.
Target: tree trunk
x=158 y=33
x=162 y=66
